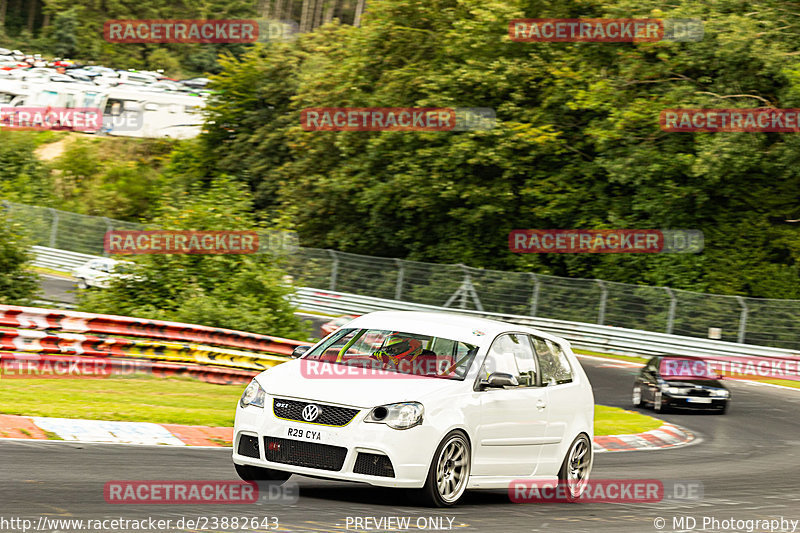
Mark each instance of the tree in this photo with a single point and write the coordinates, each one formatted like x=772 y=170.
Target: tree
x=17 y=284
x=245 y=292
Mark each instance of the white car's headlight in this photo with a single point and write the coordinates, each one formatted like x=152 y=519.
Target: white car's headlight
x=397 y=415
x=253 y=395
x=720 y=393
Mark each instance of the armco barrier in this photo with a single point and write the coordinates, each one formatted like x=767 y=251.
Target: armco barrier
x=78 y=322
x=607 y=339
x=60 y=260
x=164 y=348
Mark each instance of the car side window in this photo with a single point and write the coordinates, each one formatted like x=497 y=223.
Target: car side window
x=511 y=354
x=553 y=362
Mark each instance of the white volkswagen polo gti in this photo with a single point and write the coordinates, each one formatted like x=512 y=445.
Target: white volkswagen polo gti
x=434 y=402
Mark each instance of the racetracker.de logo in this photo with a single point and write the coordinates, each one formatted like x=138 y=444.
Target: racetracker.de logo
x=188 y=492
x=605 y=30
x=441 y=366
x=607 y=241
x=397 y=118
x=765 y=120
x=606 y=491
x=181 y=31
x=87 y=119
x=180 y=242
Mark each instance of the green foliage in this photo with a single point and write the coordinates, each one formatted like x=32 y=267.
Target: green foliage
x=577 y=143
x=17 y=285
x=245 y=292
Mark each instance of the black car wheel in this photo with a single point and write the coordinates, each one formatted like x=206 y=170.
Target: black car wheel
x=658 y=402
x=636 y=397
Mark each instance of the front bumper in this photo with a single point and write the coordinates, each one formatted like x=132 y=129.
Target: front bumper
x=693 y=402
x=410 y=451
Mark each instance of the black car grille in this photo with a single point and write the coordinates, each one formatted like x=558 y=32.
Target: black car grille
x=248 y=446
x=301 y=453
x=330 y=415
x=373 y=464
x=703 y=393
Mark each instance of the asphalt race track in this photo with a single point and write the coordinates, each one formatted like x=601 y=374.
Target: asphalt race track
x=747 y=461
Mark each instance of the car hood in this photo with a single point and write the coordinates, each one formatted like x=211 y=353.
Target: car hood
x=288 y=380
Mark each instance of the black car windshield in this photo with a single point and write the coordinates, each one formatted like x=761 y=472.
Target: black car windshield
x=396 y=352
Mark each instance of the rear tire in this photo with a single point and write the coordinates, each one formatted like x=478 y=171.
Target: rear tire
x=448 y=474
x=82 y=284
x=577 y=465
x=256 y=473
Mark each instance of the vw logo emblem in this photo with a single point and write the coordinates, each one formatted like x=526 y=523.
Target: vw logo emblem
x=311 y=412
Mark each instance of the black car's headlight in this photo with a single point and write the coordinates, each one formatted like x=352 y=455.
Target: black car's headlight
x=253 y=395
x=397 y=415
x=720 y=393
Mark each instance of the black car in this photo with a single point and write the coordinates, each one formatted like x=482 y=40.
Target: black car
x=681 y=382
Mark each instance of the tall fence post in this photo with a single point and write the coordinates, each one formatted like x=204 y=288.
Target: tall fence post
x=601 y=314
x=334 y=270
x=53 y=227
x=742 y=320
x=109 y=227
x=673 y=303
x=398 y=290
x=535 y=295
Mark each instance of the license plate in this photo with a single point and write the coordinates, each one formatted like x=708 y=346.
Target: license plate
x=699 y=400
x=313 y=435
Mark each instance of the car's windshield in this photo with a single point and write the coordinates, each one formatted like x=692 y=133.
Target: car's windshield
x=396 y=351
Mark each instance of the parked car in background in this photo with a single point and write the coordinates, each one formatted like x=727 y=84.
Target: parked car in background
x=680 y=382
x=96 y=273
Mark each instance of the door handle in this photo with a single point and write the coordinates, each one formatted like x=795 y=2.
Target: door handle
x=540 y=405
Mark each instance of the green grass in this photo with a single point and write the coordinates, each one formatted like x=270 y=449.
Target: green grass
x=185 y=401
x=140 y=399
x=630 y=358
x=616 y=421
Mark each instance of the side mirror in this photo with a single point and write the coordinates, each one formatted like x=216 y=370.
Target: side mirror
x=499 y=380
x=300 y=350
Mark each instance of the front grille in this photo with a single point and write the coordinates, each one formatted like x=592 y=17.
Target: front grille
x=248 y=446
x=373 y=464
x=329 y=415
x=703 y=393
x=301 y=453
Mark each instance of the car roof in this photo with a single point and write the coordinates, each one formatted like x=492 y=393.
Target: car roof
x=471 y=329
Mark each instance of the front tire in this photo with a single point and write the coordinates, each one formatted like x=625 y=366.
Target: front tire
x=577 y=465
x=636 y=397
x=658 y=403
x=256 y=473
x=449 y=472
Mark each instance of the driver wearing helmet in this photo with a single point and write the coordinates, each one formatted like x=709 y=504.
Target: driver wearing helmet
x=398 y=348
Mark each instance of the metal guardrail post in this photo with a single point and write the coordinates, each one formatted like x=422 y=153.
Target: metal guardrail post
x=742 y=320
x=334 y=270
x=601 y=314
x=398 y=290
x=535 y=295
x=53 y=227
x=673 y=303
